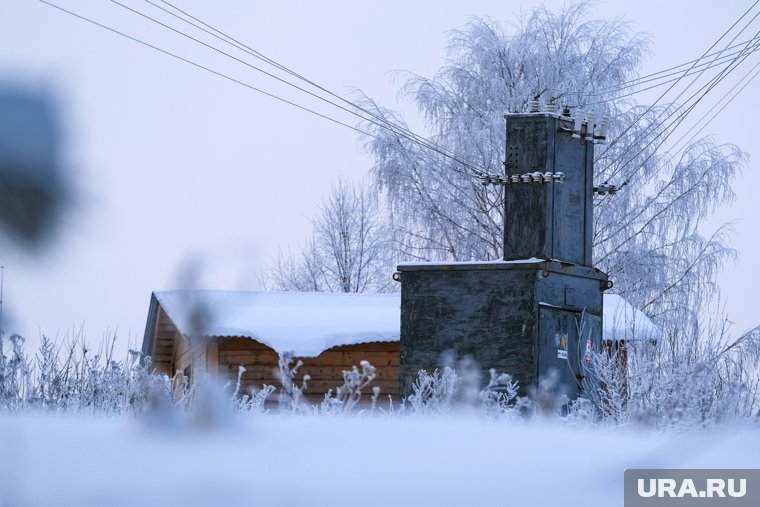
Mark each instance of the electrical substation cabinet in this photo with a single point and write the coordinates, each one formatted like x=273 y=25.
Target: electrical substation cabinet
x=548 y=218
x=539 y=321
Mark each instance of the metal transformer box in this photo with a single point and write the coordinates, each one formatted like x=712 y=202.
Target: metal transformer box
x=526 y=318
x=548 y=220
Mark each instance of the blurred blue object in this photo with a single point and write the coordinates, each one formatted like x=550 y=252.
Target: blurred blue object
x=33 y=189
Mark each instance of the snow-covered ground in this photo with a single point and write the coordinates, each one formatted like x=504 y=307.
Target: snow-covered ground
x=271 y=460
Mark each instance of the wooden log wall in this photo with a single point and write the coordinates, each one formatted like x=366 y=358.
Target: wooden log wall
x=326 y=370
x=165 y=336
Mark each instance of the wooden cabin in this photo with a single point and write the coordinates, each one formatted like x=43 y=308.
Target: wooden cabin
x=623 y=324
x=623 y=328
x=219 y=331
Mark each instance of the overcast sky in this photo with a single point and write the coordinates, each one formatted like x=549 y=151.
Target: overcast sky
x=182 y=171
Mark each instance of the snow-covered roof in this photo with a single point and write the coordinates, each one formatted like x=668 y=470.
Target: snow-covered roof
x=621 y=321
x=306 y=323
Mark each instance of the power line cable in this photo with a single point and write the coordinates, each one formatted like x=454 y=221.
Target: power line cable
x=215 y=32
x=676 y=149
x=671 y=127
x=651 y=106
x=202 y=67
x=655 y=76
x=755 y=68
x=713 y=83
x=640 y=80
x=659 y=123
x=247 y=64
x=242 y=83
x=757 y=72
x=399 y=131
x=725 y=60
x=720 y=59
x=702 y=128
x=374 y=118
x=194 y=39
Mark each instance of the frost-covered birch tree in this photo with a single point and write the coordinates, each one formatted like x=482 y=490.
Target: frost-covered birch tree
x=647 y=236
x=348 y=250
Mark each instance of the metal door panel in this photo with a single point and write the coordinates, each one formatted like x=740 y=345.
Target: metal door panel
x=566 y=340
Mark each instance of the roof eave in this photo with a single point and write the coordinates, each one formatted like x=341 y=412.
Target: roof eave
x=150 y=326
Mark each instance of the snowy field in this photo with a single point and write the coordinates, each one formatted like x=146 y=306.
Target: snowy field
x=270 y=460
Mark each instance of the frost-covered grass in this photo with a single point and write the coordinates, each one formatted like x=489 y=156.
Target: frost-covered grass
x=75 y=379
x=87 y=430
x=649 y=385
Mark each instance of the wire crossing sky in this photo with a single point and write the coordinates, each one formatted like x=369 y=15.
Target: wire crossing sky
x=718 y=59
x=356 y=110
x=183 y=172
